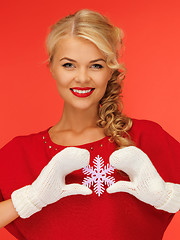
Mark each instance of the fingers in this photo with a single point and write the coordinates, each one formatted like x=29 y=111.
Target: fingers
x=122 y=186
x=128 y=159
x=75 y=189
x=72 y=158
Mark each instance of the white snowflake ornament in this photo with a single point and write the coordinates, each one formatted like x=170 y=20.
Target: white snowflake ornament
x=98 y=175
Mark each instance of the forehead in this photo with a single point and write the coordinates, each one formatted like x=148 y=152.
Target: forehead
x=78 y=49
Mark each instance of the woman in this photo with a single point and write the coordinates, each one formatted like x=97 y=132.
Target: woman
x=96 y=174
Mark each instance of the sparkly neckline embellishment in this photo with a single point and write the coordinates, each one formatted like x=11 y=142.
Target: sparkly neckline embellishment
x=53 y=146
x=50 y=147
x=44 y=138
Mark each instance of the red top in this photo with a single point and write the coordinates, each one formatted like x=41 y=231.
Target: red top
x=99 y=216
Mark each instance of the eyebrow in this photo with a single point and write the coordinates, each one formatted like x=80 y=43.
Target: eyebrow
x=72 y=60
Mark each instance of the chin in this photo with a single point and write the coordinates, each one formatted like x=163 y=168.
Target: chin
x=84 y=106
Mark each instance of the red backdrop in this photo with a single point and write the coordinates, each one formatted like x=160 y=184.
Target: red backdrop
x=28 y=96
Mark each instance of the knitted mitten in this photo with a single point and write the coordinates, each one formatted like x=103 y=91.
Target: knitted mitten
x=50 y=185
x=145 y=182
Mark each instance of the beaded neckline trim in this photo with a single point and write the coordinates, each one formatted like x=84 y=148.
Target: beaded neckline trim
x=51 y=145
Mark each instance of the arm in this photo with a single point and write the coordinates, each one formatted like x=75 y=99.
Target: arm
x=48 y=188
x=146 y=184
x=7 y=212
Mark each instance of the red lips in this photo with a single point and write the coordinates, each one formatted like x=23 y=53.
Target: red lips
x=82 y=95
x=85 y=88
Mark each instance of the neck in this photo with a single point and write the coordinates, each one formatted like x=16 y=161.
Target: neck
x=78 y=120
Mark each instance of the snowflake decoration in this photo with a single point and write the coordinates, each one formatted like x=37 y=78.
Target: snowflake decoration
x=98 y=175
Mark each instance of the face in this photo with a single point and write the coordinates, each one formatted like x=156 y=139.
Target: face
x=80 y=71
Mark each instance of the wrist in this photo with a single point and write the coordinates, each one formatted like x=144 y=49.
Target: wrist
x=25 y=201
x=171 y=203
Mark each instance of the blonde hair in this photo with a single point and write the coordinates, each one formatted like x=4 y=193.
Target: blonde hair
x=93 y=26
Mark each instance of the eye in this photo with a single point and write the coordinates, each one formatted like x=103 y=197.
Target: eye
x=68 y=65
x=97 y=66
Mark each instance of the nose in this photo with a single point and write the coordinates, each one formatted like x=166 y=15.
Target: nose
x=82 y=75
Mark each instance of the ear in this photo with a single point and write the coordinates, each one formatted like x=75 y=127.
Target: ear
x=51 y=69
x=110 y=73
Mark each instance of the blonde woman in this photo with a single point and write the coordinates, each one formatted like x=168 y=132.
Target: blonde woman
x=96 y=174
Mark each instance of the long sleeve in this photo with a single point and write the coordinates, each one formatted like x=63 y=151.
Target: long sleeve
x=161 y=147
x=8 y=155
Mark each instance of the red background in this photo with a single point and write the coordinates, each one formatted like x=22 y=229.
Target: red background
x=29 y=101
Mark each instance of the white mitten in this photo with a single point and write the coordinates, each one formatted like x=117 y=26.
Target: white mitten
x=50 y=185
x=145 y=182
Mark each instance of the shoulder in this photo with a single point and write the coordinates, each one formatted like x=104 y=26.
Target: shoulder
x=23 y=141
x=160 y=146
x=151 y=132
x=145 y=132
x=21 y=160
x=141 y=125
x=23 y=152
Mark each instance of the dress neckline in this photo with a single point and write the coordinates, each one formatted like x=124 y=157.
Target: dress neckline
x=48 y=140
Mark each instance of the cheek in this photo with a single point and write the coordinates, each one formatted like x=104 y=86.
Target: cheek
x=103 y=80
x=63 y=79
x=102 y=85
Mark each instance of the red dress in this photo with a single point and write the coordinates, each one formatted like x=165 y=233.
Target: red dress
x=99 y=216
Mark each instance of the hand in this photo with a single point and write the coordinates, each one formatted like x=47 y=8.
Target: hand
x=50 y=185
x=145 y=182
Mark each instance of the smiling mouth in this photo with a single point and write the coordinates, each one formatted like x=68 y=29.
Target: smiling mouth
x=81 y=91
